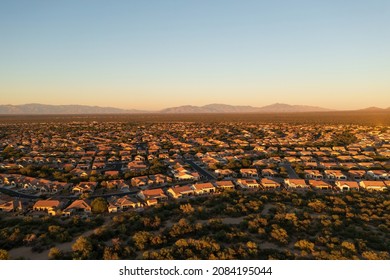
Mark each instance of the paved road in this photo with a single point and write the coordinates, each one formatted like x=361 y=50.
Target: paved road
x=290 y=171
x=201 y=170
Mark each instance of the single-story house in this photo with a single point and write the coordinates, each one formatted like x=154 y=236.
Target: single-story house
x=347 y=185
x=373 y=185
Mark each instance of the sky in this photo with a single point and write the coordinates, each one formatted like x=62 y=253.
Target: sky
x=155 y=54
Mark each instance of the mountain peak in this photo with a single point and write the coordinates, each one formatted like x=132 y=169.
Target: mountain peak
x=224 y=108
x=373 y=109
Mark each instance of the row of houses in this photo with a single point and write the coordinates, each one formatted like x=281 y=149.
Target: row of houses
x=43 y=186
x=150 y=197
x=339 y=185
x=351 y=174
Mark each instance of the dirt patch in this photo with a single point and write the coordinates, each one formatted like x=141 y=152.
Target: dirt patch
x=233 y=221
x=267 y=207
x=268 y=245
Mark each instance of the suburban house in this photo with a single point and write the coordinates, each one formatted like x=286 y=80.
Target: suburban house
x=111 y=173
x=249 y=173
x=184 y=176
x=319 y=185
x=160 y=179
x=225 y=185
x=225 y=173
x=116 y=184
x=77 y=206
x=79 y=172
x=122 y=204
x=296 y=184
x=151 y=202
x=48 y=205
x=248 y=183
x=98 y=165
x=269 y=183
x=378 y=175
x=356 y=174
x=181 y=191
x=203 y=188
x=335 y=175
x=137 y=166
x=11 y=205
x=373 y=185
x=141 y=181
x=111 y=208
x=329 y=165
x=268 y=173
x=157 y=194
x=313 y=174
x=347 y=185
x=84 y=187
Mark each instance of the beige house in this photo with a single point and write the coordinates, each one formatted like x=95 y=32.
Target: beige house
x=11 y=206
x=319 y=185
x=248 y=183
x=356 y=174
x=157 y=194
x=268 y=172
x=249 y=173
x=347 y=185
x=141 y=181
x=123 y=203
x=84 y=187
x=296 y=184
x=225 y=173
x=378 y=175
x=373 y=185
x=203 y=188
x=181 y=191
x=225 y=185
x=49 y=205
x=77 y=206
x=313 y=174
x=151 y=202
x=335 y=175
x=269 y=183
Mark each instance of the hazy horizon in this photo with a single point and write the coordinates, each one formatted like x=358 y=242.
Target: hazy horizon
x=150 y=55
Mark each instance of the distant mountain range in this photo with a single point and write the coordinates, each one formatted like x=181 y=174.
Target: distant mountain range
x=35 y=109
x=222 y=108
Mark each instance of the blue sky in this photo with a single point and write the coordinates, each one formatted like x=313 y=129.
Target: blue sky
x=155 y=54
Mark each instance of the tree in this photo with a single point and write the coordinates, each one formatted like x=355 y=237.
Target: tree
x=370 y=255
x=55 y=254
x=99 y=205
x=304 y=245
x=180 y=228
x=348 y=246
x=252 y=248
x=279 y=234
x=152 y=223
x=4 y=255
x=110 y=254
x=141 y=239
x=317 y=205
x=82 y=248
x=187 y=208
